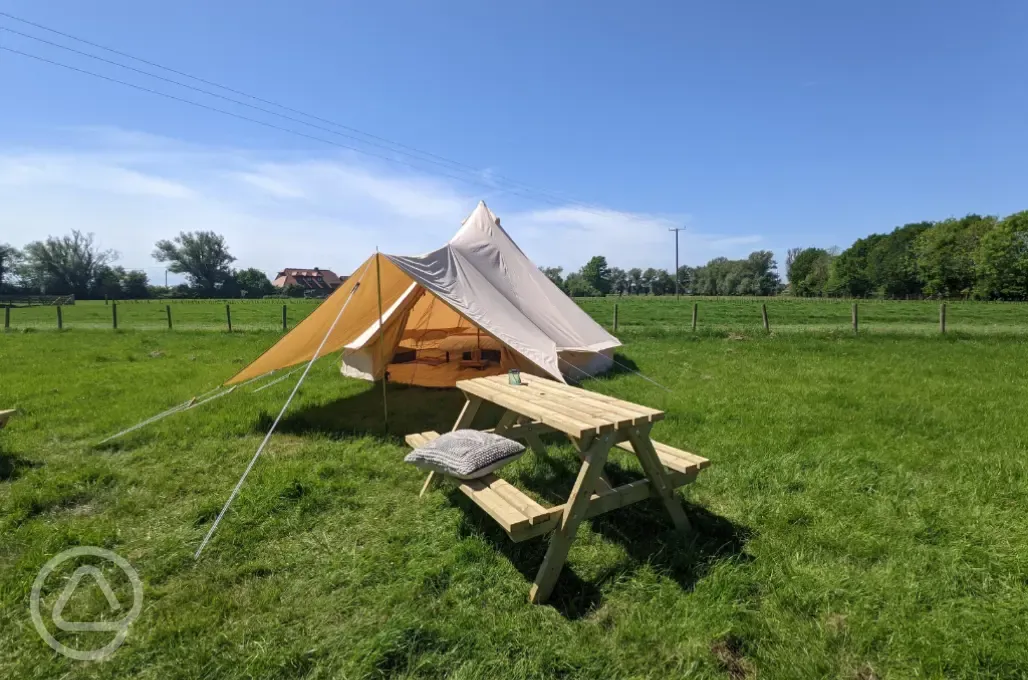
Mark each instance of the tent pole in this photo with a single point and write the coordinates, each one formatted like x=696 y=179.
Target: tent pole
x=381 y=336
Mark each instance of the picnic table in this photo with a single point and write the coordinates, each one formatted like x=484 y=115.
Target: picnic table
x=594 y=423
x=5 y=415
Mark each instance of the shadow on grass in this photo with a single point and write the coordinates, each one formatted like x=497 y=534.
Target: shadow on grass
x=13 y=465
x=411 y=409
x=644 y=530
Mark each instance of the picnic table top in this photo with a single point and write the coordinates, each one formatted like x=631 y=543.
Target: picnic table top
x=572 y=410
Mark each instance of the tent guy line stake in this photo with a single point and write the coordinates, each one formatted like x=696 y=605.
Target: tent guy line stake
x=267 y=437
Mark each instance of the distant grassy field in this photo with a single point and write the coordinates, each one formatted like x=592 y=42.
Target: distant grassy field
x=788 y=315
x=635 y=313
x=863 y=518
x=151 y=315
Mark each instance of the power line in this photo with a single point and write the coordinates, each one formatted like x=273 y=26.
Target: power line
x=267 y=124
x=398 y=145
x=229 y=99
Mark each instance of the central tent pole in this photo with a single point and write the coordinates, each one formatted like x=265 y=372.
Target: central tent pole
x=381 y=336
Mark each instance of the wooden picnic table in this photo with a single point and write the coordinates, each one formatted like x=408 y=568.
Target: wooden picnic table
x=594 y=423
x=5 y=415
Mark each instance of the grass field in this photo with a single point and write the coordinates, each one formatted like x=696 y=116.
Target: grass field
x=646 y=314
x=249 y=315
x=863 y=517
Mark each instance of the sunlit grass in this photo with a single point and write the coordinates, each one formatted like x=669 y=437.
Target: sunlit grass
x=863 y=517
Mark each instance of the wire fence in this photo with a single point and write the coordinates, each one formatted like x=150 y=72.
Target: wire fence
x=628 y=314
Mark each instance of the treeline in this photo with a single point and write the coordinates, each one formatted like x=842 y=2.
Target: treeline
x=75 y=265
x=756 y=275
x=974 y=257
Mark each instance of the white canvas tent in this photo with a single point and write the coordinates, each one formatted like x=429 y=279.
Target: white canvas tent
x=477 y=306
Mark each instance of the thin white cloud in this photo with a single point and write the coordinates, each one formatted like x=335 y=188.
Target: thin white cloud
x=296 y=210
x=568 y=236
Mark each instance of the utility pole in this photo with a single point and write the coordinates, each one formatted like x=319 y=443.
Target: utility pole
x=676 y=230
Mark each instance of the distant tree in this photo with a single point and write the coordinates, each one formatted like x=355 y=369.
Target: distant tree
x=762 y=271
x=618 y=280
x=578 y=286
x=597 y=274
x=10 y=257
x=135 y=285
x=945 y=255
x=107 y=283
x=253 y=283
x=554 y=274
x=1002 y=260
x=809 y=270
x=892 y=264
x=756 y=275
x=293 y=290
x=661 y=282
x=684 y=279
x=635 y=280
x=648 y=276
x=60 y=266
x=202 y=256
x=790 y=258
x=849 y=276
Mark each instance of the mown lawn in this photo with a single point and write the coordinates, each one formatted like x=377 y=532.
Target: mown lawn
x=864 y=517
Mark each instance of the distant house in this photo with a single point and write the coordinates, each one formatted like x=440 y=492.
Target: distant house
x=314 y=281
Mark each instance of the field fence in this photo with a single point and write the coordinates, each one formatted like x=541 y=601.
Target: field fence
x=628 y=314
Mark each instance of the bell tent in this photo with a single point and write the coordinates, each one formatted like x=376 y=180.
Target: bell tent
x=475 y=307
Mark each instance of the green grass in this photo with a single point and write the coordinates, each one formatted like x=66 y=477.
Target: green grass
x=152 y=315
x=863 y=517
x=787 y=315
x=635 y=313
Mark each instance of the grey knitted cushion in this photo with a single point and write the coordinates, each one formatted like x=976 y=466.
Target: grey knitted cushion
x=466 y=454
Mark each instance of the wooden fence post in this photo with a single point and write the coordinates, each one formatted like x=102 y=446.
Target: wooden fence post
x=167 y=308
x=763 y=316
x=228 y=317
x=284 y=326
x=856 y=322
x=695 y=313
x=114 y=315
x=615 y=317
x=60 y=320
x=942 y=318
x=7 y=317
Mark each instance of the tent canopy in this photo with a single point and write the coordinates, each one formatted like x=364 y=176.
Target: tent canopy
x=477 y=306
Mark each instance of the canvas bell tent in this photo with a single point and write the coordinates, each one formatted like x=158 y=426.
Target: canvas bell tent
x=475 y=307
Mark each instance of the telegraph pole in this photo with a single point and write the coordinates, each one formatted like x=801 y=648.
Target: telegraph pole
x=676 y=230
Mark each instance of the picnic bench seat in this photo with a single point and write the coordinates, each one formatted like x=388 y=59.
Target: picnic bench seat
x=5 y=415
x=522 y=518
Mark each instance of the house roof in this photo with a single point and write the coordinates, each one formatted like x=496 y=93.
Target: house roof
x=312 y=277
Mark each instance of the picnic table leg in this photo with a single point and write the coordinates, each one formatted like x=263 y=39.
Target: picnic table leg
x=574 y=511
x=581 y=446
x=508 y=419
x=643 y=447
x=467 y=414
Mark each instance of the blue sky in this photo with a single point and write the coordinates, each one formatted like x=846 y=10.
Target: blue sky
x=758 y=125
